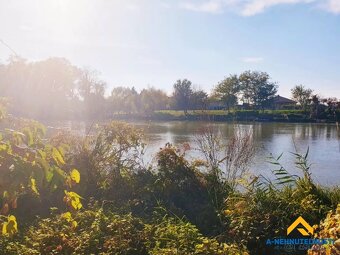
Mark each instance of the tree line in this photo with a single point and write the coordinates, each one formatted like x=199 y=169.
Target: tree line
x=54 y=88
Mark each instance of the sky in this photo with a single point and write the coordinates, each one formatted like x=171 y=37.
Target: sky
x=153 y=43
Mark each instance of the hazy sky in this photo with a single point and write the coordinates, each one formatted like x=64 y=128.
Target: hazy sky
x=155 y=42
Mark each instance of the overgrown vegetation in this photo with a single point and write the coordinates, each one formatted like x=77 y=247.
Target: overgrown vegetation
x=329 y=228
x=94 y=195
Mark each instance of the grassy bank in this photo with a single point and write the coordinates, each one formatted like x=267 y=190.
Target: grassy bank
x=233 y=115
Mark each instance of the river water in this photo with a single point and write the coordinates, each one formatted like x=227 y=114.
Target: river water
x=323 y=141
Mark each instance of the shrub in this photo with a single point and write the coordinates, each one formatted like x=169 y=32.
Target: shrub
x=328 y=228
x=267 y=208
x=33 y=173
x=105 y=233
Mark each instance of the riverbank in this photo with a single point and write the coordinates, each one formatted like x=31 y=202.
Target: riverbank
x=94 y=195
x=291 y=116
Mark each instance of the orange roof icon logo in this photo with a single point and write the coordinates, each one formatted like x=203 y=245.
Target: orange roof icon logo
x=303 y=231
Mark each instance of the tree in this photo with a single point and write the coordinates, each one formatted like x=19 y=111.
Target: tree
x=227 y=90
x=257 y=88
x=182 y=94
x=199 y=100
x=333 y=106
x=124 y=99
x=302 y=95
x=40 y=89
x=315 y=111
x=153 y=99
x=92 y=90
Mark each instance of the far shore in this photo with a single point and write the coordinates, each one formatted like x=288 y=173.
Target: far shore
x=291 y=116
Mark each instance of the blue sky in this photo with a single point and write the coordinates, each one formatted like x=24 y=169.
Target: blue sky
x=155 y=42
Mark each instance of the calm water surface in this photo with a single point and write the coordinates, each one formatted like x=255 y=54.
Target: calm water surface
x=276 y=138
x=323 y=141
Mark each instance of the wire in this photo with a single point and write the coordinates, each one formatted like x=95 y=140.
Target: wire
x=8 y=47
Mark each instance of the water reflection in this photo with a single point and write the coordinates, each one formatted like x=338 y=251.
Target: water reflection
x=270 y=138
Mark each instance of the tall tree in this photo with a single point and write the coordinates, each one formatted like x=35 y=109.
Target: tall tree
x=333 y=106
x=302 y=95
x=182 y=94
x=199 y=100
x=153 y=99
x=315 y=111
x=257 y=88
x=124 y=99
x=41 y=89
x=227 y=90
x=92 y=90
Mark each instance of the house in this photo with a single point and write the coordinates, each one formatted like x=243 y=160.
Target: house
x=280 y=102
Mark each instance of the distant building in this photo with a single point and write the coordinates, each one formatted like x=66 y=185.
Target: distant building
x=280 y=102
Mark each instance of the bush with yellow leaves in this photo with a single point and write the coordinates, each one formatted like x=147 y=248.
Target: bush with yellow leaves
x=31 y=166
x=103 y=232
x=329 y=228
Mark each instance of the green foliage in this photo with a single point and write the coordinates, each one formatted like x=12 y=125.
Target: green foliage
x=213 y=247
x=228 y=90
x=257 y=88
x=268 y=207
x=100 y=232
x=173 y=237
x=117 y=150
x=30 y=166
x=302 y=95
x=270 y=115
x=198 y=100
x=176 y=237
x=182 y=94
x=183 y=189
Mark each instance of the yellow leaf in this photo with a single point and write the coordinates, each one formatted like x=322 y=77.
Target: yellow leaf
x=76 y=204
x=58 y=157
x=67 y=216
x=74 y=224
x=5 y=195
x=34 y=186
x=10 y=227
x=4 y=228
x=227 y=212
x=75 y=175
x=73 y=200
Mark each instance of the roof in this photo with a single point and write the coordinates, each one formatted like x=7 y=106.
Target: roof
x=283 y=100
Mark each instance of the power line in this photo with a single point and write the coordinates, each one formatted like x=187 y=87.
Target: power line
x=9 y=47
